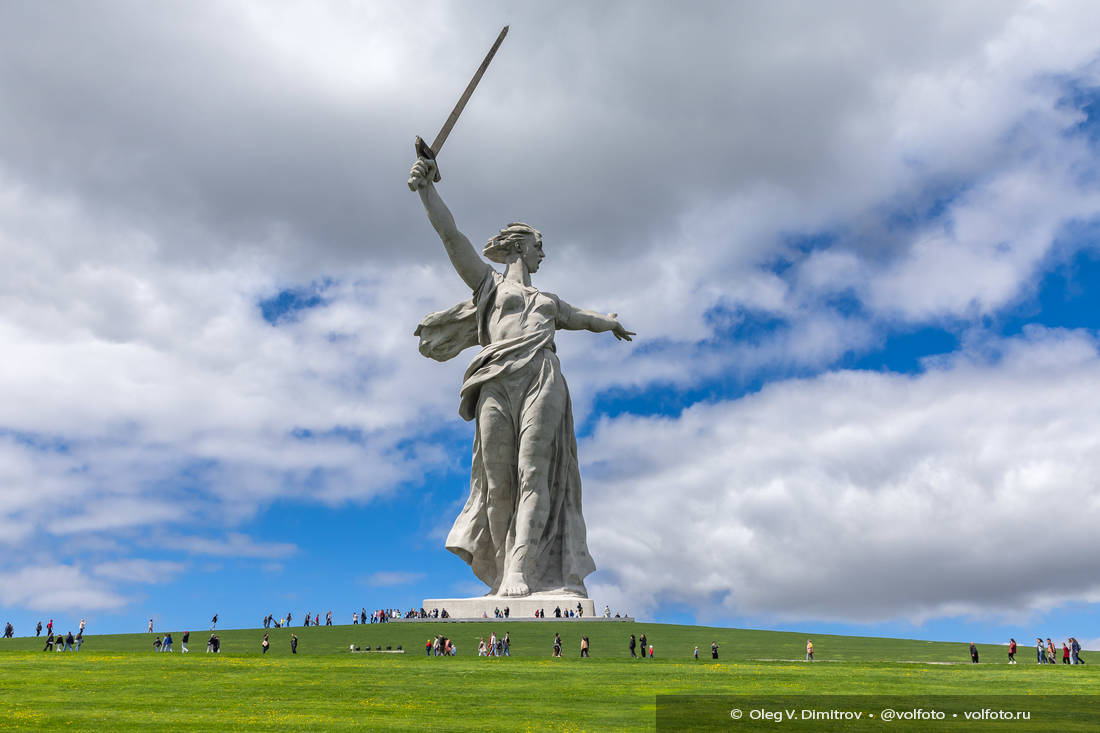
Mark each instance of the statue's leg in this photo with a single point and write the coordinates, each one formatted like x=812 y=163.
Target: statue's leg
x=543 y=406
x=498 y=454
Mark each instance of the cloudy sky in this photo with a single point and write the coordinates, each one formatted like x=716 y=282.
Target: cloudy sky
x=858 y=242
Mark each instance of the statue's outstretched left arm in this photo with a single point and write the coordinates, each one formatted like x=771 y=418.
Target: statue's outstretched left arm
x=578 y=319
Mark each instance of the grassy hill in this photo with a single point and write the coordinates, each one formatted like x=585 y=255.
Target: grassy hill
x=608 y=639
x=117 y=682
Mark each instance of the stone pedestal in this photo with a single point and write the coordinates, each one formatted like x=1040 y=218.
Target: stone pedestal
x=460 y=608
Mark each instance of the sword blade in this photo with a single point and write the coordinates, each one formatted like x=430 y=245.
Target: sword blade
x=441 y=138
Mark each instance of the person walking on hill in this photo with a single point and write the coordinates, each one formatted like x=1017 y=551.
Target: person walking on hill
x=973 y=653
x=156 y=644
x=38 y=628
x=1052 y=656
x=328 y=619
x=584 y=646
x=150 y=626
x=1012 y=651
x=1040 y=656
x=49 y=643
x=1065 y=653
x=714 y=650
x=265 y=643
x=167 y=645
x=557 y=645
x=293 y=644
x=183 y=641
x=696 y=653
x=69 y=642
x=632 y=646
x=809 y=650
x=506 y=644
x=49 y=627
x=81 y=629
x=79 y=640
x=1075 y=650
x=641 y=642
x=214 y=622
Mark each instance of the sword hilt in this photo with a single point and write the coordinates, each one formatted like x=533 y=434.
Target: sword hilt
x=423 y=150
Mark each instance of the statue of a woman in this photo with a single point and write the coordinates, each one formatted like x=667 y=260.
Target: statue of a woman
x=521 y=530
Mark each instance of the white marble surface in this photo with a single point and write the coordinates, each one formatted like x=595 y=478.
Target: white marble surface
x=460 y=608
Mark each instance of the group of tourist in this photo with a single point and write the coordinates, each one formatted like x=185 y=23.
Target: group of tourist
x=1048 y=653
x=380 y=615
x=440 y=646
x=67 y=643
x=312 y=619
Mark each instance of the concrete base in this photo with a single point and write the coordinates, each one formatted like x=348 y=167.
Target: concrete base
x=525 y=607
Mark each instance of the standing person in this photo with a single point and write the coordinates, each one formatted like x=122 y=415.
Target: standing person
x=507 y=645
x=69 y=642
x=1012 y=651
x=607 y=611
x=167 y=645
x=355 y=617
x=584 y=646
x=1040 y=655
x=809 y=650
x=1075 y=650
x=210 y=644
x=641 y=642
x=79 y=640
x=1052 y=656
x=328 y=619
x=150 y=626
x=714 y=650
x=293 y=644
x=632 y=646
x=973 y=653
x=557 y=644
x=156 y=644
x=38 y=628
x=265 y=644
x=214 y=622
x=428 y=648
x=1065 y=653
x=696 y=654
x=308 y=617
x=183 y=641
x=49 y=626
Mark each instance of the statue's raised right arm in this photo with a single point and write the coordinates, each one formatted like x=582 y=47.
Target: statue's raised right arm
x=467 y=263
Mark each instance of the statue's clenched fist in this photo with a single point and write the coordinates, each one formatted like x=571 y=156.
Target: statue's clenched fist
x=422 y=174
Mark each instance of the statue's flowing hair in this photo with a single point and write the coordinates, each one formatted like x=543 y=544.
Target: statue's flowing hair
x=498 y=248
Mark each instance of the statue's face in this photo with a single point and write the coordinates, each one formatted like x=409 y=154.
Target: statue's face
x=532 y=253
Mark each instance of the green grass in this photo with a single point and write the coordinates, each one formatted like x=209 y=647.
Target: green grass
x=117 y=682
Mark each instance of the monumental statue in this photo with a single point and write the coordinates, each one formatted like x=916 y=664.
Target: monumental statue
x=521 y=530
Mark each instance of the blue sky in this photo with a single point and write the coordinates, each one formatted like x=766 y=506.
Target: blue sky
x=858 y=244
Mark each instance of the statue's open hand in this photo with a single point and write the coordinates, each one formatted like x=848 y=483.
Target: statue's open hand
x=620 y=332
x=422 y=174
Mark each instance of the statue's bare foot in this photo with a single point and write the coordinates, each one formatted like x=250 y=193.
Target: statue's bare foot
x=514 y=585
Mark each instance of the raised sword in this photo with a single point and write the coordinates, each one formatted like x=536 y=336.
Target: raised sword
x=423 y=150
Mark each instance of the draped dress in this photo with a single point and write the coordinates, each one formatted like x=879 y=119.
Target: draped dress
x=525 y=448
